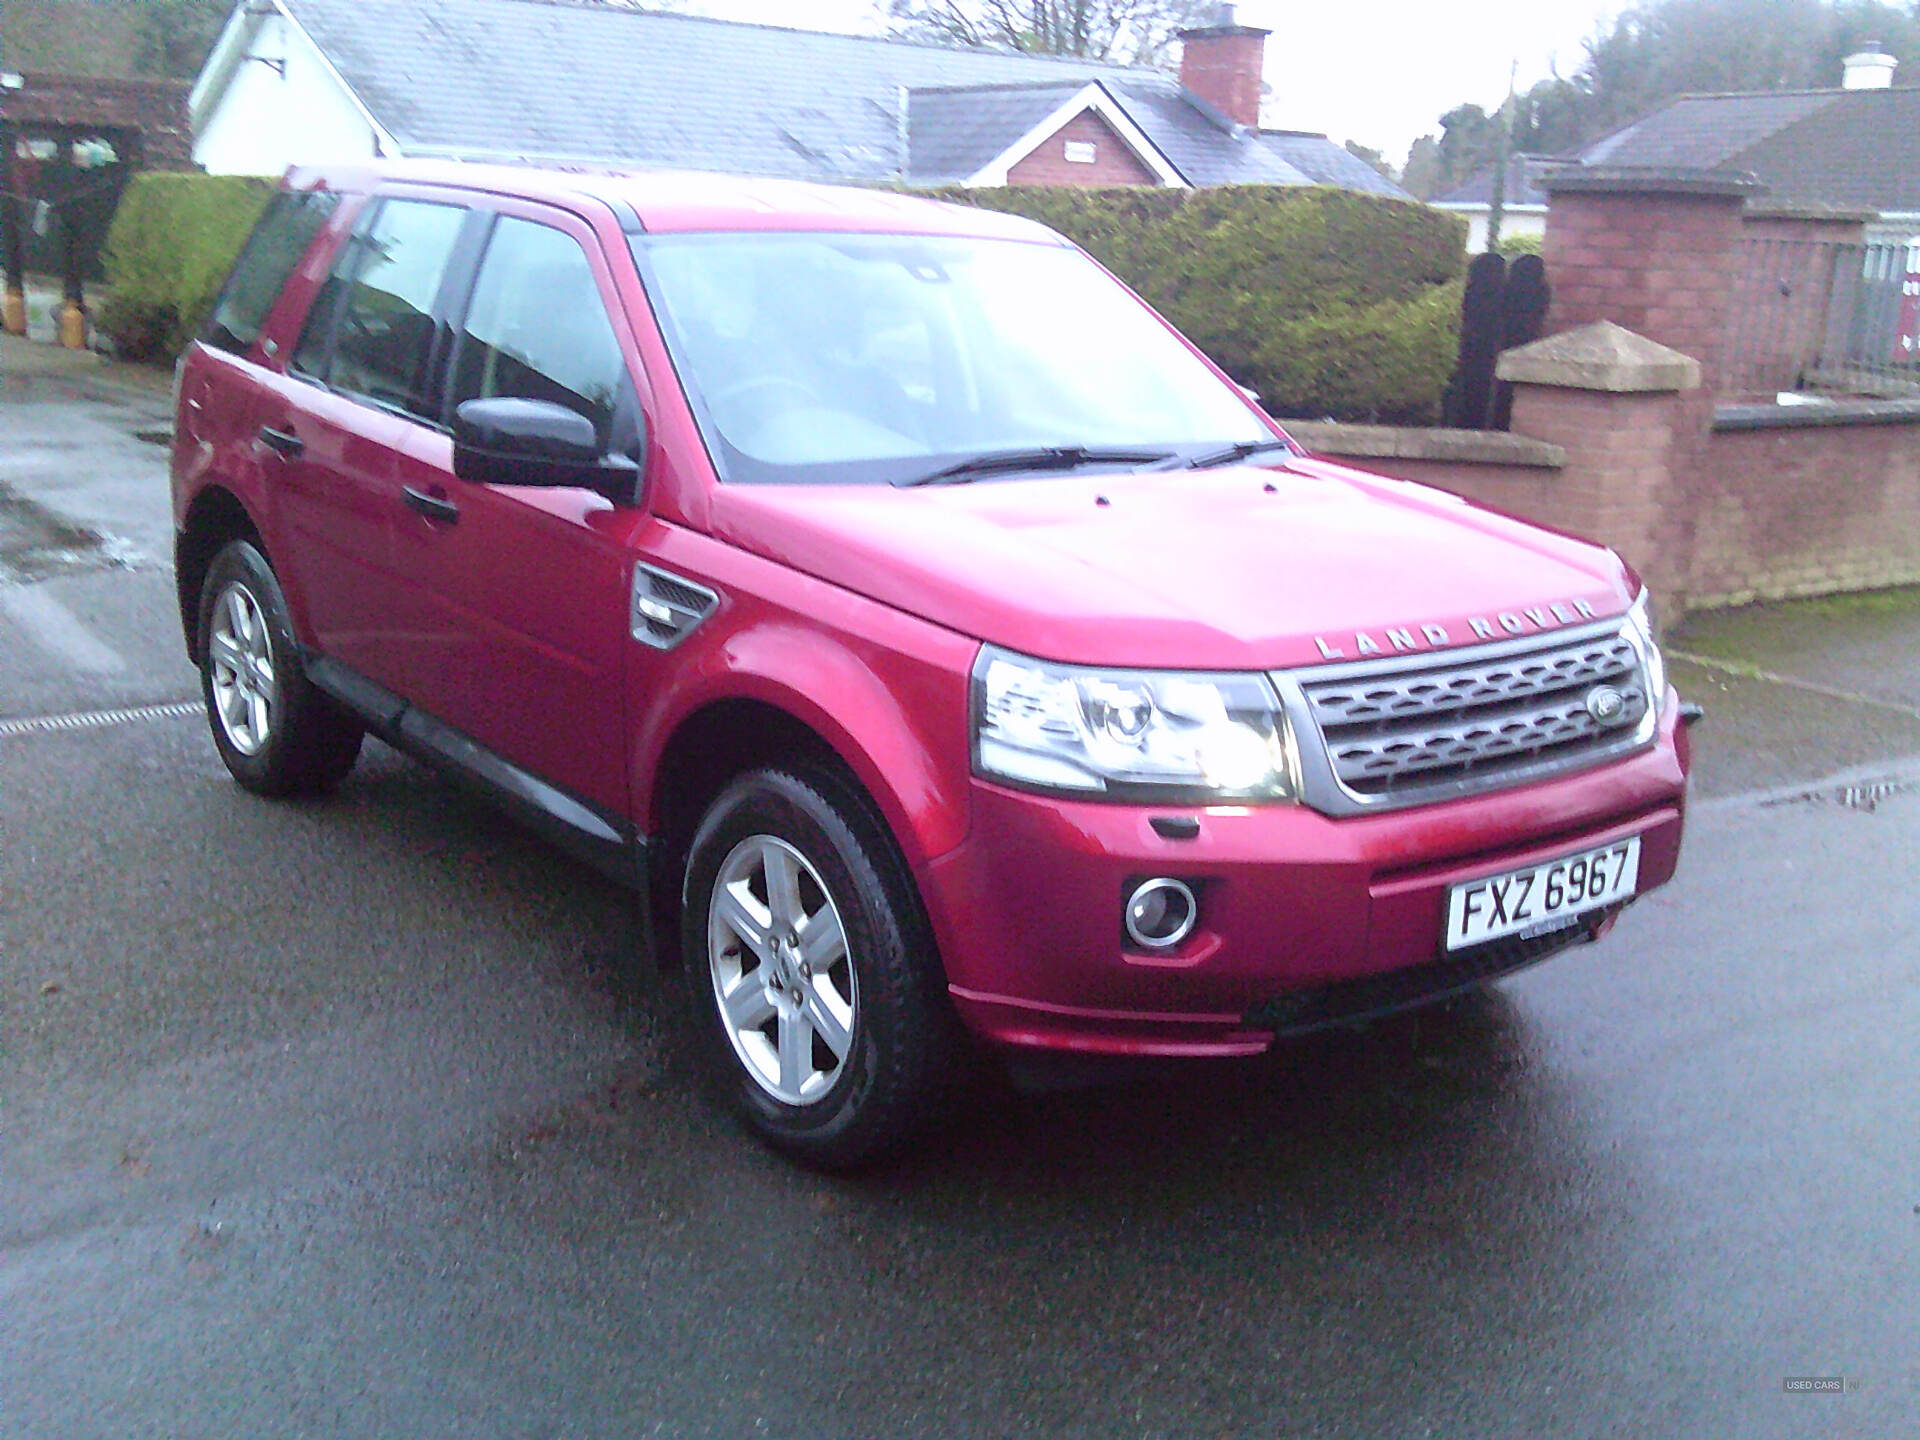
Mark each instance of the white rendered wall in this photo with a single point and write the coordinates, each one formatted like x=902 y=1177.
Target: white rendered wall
x=1516 y=220
x=264 y=123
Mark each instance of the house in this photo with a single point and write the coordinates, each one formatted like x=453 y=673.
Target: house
x=1523 y=204
x=1856 y=148
x=302 y=80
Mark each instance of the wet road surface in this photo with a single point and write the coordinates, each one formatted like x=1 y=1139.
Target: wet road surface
x=356 y=1118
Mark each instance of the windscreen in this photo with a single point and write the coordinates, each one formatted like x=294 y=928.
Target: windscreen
x=882 y=358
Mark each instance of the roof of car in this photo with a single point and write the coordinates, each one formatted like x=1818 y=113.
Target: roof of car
x=671 y=201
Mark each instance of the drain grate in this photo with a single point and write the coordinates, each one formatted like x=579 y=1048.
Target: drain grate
x=1866 y=796
x=97 y=719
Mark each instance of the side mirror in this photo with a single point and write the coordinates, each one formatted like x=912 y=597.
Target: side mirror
x=510 y=441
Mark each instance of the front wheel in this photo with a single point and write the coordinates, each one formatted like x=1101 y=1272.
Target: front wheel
x=275 y=732
x=814 y=989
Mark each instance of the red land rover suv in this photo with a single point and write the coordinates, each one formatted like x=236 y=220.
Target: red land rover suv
x=934 y=639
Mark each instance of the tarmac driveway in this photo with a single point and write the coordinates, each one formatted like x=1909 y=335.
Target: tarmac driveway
x=355 y=1118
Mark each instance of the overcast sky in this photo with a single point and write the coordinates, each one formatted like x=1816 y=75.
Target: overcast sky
x=1377 y=71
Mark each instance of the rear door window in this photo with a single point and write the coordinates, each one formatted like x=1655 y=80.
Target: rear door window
x=378 y=307
x=537 y=328
x=285 y=229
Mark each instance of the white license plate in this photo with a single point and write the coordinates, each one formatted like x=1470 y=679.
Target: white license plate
x=1541 y=898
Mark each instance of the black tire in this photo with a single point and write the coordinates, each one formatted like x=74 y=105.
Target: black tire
x=276 y=733
x=901 y=1042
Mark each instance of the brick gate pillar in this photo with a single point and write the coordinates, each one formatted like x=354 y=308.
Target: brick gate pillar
x=1652 y=251
x=1624 y=410
x=1655 y=252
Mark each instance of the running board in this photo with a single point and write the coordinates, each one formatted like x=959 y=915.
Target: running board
x=604 y=841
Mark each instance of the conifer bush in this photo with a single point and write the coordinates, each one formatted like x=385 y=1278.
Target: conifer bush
x=1326 y=302
x=172 y=242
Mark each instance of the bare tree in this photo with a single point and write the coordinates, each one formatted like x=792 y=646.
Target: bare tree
x=1127 y=31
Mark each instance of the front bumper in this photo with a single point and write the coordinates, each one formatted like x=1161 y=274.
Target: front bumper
x=1304 y=919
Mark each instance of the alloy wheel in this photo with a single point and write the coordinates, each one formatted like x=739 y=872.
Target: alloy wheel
x=244 y=693
x=782 y=977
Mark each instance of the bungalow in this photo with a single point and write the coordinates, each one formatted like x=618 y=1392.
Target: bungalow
x=302 y=80
x=1856 y=148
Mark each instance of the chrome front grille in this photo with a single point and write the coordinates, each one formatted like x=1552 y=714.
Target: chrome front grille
x=1412 y=728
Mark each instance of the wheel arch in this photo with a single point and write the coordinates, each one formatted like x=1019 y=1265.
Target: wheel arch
x=214 y=519
x=766 y=721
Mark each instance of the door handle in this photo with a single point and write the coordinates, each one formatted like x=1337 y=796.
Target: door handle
x=434 y=507
x=284 y=441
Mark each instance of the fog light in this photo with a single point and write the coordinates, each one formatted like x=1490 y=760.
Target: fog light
x=1161 y=913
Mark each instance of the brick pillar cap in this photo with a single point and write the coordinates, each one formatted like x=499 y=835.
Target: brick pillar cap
x=1809 y=210
x=1601 y=356
x=1650 y=180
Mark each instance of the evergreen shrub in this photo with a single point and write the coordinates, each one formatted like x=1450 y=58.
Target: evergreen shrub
x=172 y=242
x=1326 y=302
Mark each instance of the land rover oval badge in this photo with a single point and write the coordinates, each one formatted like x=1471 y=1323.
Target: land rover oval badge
x=1606 y=705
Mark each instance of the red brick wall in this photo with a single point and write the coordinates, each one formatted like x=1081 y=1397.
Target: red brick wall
x=1707 y=517
x=1784 y=268
x=1721 y=520
x=1809 y=226
x=1806 y=511
x=1657 y=264
x=1114 y=163
x=1615 y=486
x=1222 y=67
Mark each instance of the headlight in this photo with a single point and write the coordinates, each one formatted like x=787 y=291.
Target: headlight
x=1146 y=735
x=1641 y=615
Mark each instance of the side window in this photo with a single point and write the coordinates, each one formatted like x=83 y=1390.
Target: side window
x=286 y=228
x=537 y=328
x=389 y=273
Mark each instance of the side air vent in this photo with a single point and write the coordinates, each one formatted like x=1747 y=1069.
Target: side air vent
x=666 y=608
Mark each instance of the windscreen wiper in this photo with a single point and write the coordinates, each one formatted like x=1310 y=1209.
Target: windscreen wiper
x=1045 y=457
x=1231 y=454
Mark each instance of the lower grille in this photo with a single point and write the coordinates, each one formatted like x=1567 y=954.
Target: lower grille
x=1372 y=997
x=1400 y=731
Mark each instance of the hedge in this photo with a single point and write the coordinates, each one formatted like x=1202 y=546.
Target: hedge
x=1513 y=246
x=1327 y=302
x=172 y=242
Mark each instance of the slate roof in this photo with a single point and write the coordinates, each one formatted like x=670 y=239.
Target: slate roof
x=1204 y=145
x=1855 y=149
x=1861 y=151
x=954 y=132
x=1704 y=132
x=1523 y=182
x=536 y=79
x=521 y=78
x=1325 y=163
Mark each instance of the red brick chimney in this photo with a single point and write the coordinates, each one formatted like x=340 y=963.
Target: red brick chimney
x=1221 y=64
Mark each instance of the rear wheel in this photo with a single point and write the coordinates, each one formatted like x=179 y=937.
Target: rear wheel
x=812 y=981
x=275 y=732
